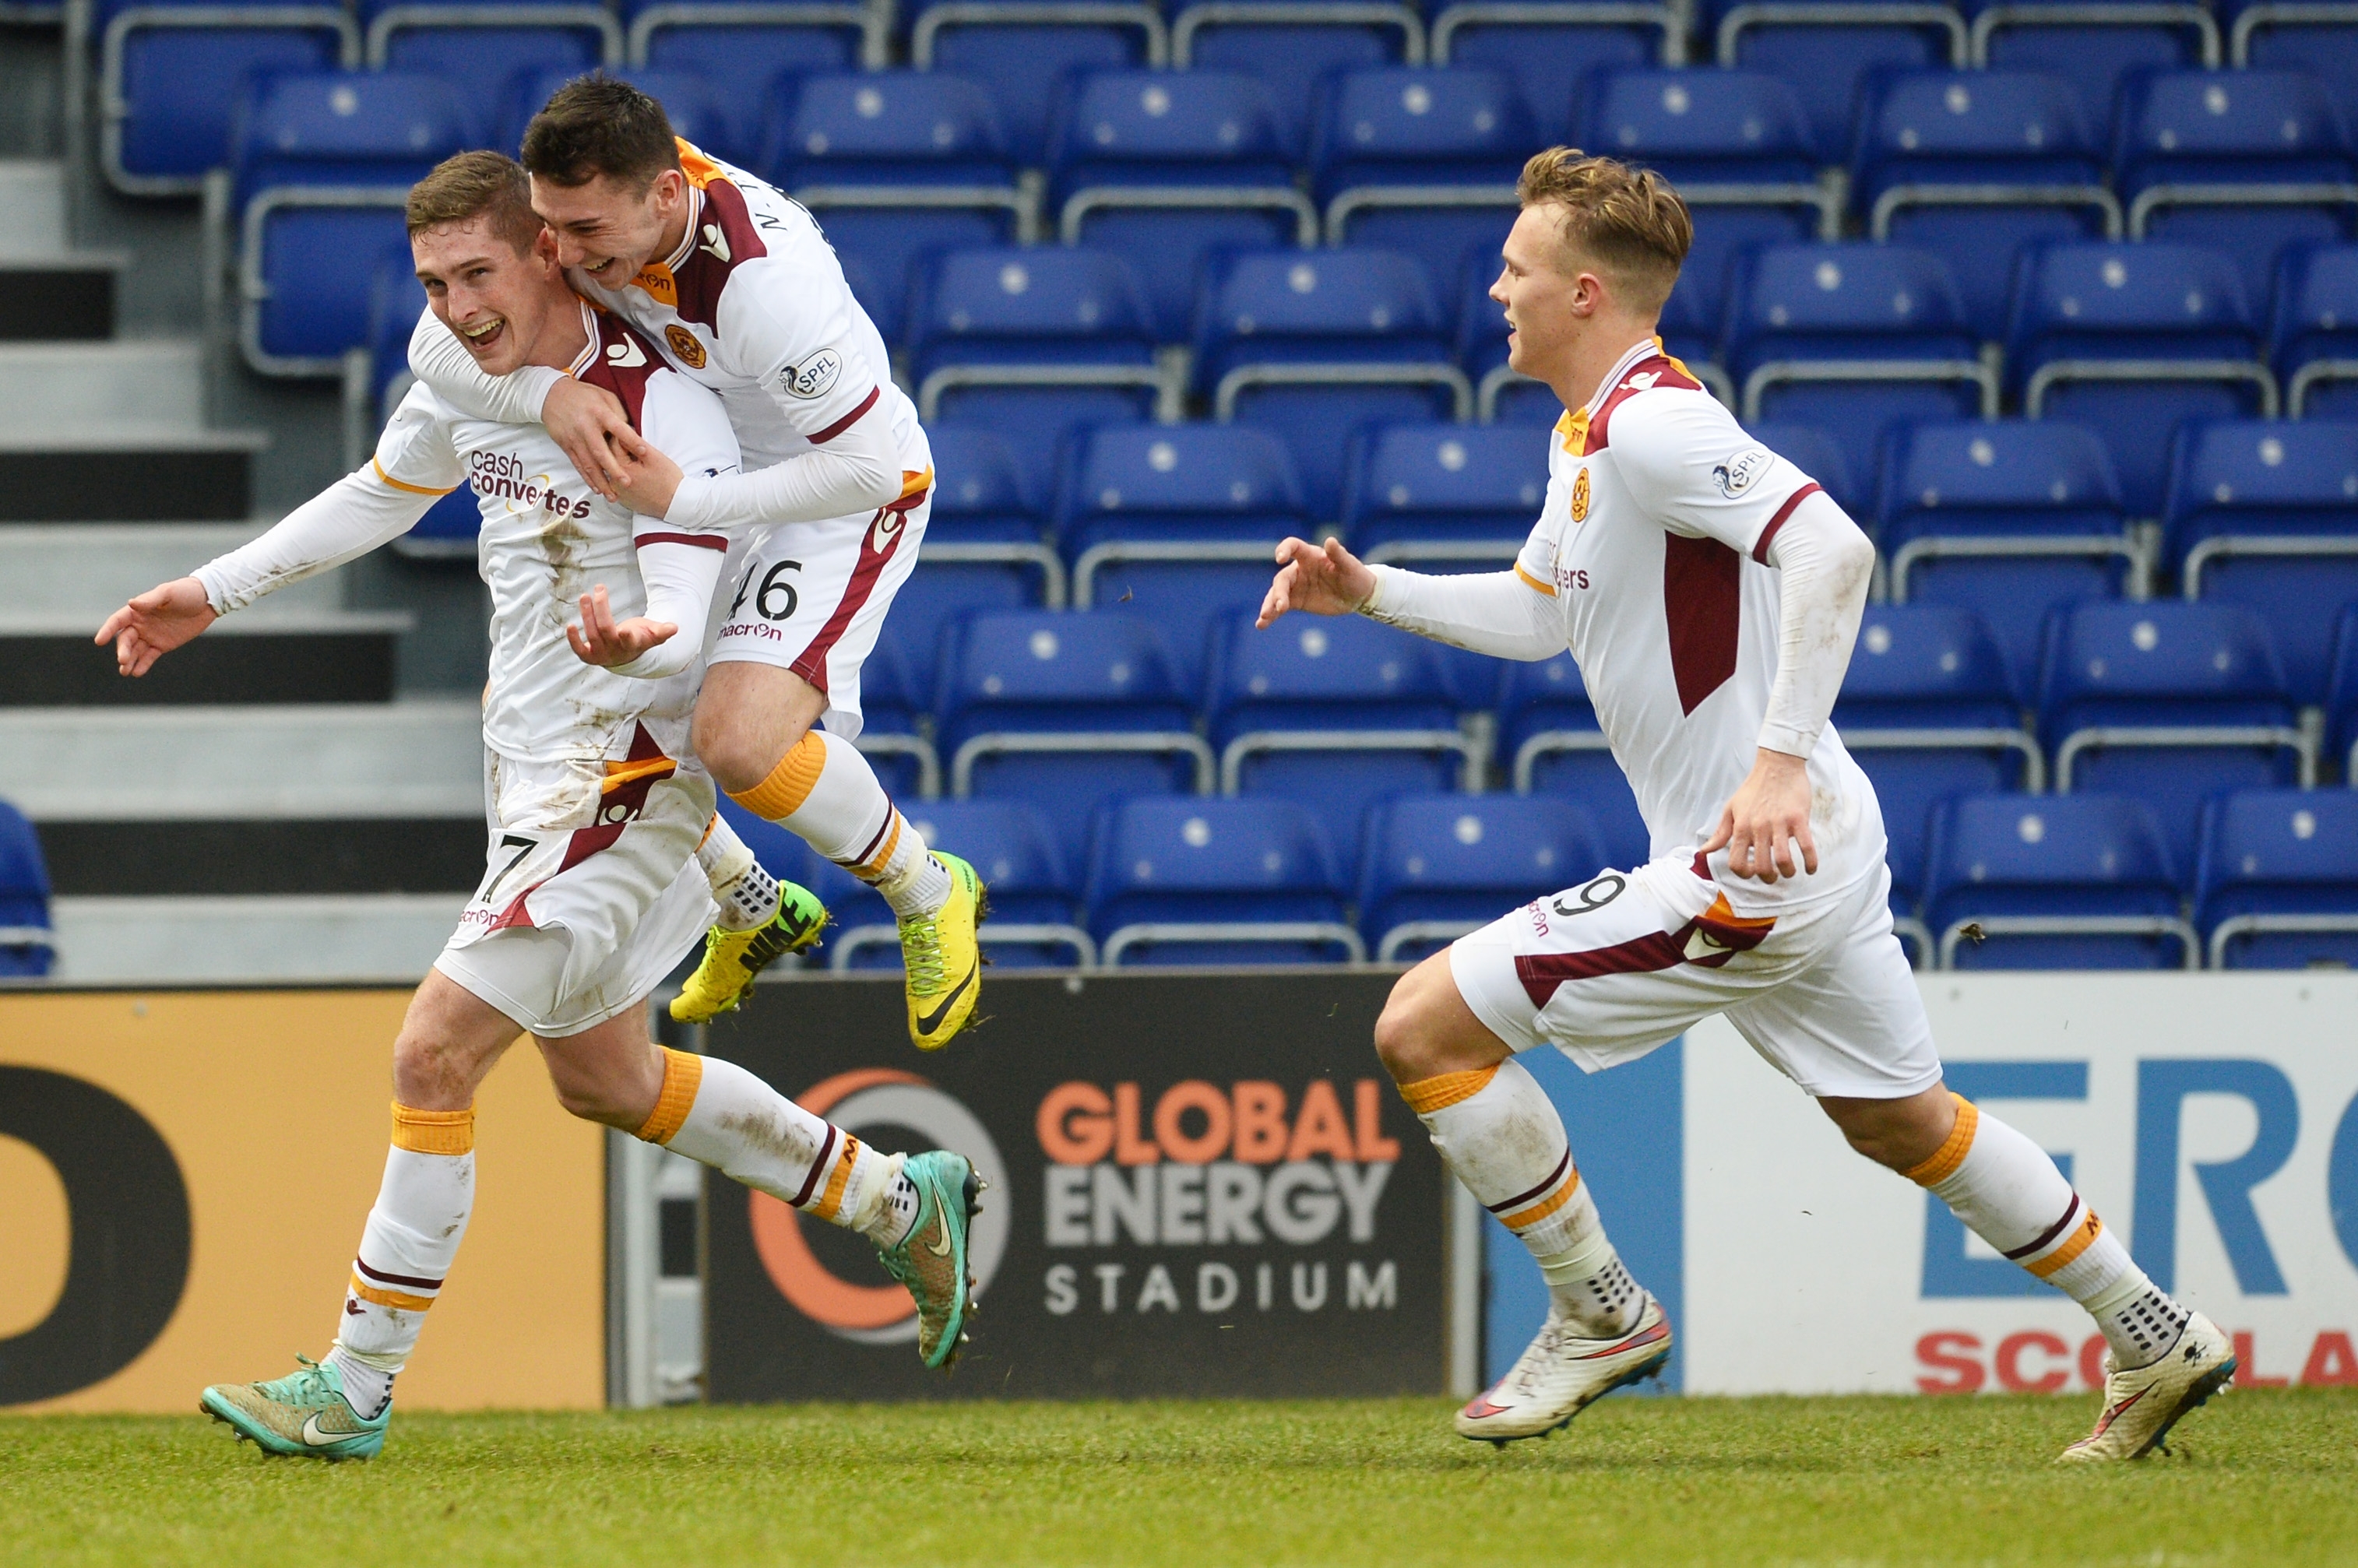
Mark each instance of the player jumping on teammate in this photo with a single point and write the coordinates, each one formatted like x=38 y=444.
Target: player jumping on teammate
x=1710 y=592
x=593 y=889
x=739 y=290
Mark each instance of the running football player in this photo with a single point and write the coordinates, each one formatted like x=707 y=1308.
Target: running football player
x=738 y=290
x=592 y=891
x=1710 y=591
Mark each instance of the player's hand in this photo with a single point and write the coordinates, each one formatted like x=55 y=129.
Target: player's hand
x=1323 y=581
x=1768 y=817
x=602 y=640
x=589 y=423
x=155 y=623
x=649 y=481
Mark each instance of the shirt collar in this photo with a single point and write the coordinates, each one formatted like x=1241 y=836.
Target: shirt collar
x=679 y=259
x=588 y=357
x=1644 y=347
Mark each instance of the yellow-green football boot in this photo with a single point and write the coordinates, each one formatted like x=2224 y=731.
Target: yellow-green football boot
x=942 y=959
x=732 y=959
x=303 y=1414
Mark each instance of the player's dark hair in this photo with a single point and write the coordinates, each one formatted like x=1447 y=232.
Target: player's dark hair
x=594 y=125
x=476 y=184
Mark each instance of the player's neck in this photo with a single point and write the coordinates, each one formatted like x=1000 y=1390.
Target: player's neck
x=1595 y=355
x=675 y=230
x=562 y=337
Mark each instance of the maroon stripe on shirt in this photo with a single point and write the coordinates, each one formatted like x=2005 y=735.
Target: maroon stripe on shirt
x=701 y=541
x=840 y=426
x=1702 y=601
x=1769 y=535
x=812 y=665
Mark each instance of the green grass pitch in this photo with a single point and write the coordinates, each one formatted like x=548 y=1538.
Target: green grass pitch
x=2262 y=1477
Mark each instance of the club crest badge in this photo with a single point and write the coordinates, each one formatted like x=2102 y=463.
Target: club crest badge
x=684 y=344
x=1580 y=496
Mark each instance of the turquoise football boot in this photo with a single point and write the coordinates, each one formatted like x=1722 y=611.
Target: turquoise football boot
x=303 y=1414
x=932 y=1259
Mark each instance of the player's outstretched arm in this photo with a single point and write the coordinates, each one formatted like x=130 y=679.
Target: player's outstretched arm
x=155 y=622
x=1323 y=581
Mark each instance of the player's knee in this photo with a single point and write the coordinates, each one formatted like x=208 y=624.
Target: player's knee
x=1409 y=1037
x=588 y=1097
x=739 y=754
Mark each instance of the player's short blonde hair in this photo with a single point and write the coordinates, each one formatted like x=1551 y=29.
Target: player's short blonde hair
x=476 y=184
x=1626 y=222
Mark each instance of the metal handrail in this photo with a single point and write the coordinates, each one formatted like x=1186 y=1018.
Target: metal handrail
x=2034 y=765
x=1605 y=15
x=2253 y=17
x=2075 y=925
x=1010 y=553
x=1908 y=925
x=1552 y=742
x=2034 y=394
x=1041 y=13
x=1154 y=378
x=1993 y=195
x=113 y=109
x=1147 y=931
x=1254 y=742
x=2219 y=545
x=1408 y=931
x=1180 y=198
x=2308 y=376
x=1331 y=13
x=929 y=762
x=2108 y=15
x=1461 y=391
x=2289 y=193
x=1359 y=198
x=254 y=290
x=1784 y=371
x=1097 y=557
x=1445 y=550
x=850 y=943
x=1945 y=17
x=1022 y=200
x=2289 y=737
x=1828 y=195
x=873 y=20
x=1006 y=742
x=2236 y=926
x=571 y=18
x=1935 y=547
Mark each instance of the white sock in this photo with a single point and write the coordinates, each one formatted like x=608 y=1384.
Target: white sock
x=824 y=791
x=2009 y=1191
x=1500 y=1134
x=407 y=1250
x=718 y=1114
x=747 y=893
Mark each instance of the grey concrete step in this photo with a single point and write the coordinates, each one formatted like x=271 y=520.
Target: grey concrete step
x=67 y=394
x=150 y=473
x=350 y=939
x=32 y=207
x=292 y=657
x=84 y=570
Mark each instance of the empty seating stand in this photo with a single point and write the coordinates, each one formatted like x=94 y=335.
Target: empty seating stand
x=1438 y=866
x=2054 y=882
x=1430 y=492
x=497 y=43
x=1293 y=45
x=1832 y=49
x=1420 y=161
x=2276 y=884
x=1552 y=48
x=2313 y=334
x=1548 y=733
x=1216 y=882
x=747 y=48
x=2098 y=44
x=1029 y=49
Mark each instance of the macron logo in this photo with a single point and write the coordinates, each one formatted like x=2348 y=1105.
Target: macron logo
x=626 y=355
x=716 y=241
x=1643 y=380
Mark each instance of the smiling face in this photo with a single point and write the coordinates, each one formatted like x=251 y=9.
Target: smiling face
x=608 y=227
x=501 y=301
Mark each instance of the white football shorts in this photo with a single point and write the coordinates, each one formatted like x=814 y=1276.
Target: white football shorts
x=591 y=895
x=811 y=597
x=1627 y=961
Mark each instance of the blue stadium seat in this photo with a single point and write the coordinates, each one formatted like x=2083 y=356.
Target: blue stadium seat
x=1552 y=48
x=1338 y=712
x=2009 y=518
x=696 y=112
x=893 y=696
x=2266 y=513
x=1977 y=167
x=1165 y=167
x=2248 y=161
x=2077 y=881
x=1549 y=734
x=1428 y=492
x=898 y=167
x=1034 y=886
x=27 y=947
x=1819 y=455
x=985 y=547
x=1929 y=714
x=1739 y=146
x=2132 y=340
x=1420 y=161
x=497 y=44
x=752 y=49
x=1066 y=711
x=2313 y=333
x=1294 y=45
x=324 y=162
x=1833 y=55
x=1438 y=866
x=1216 y=882
x=2098 y=47
x=2170 y=702
x=2341 y=698
x=2305 y=35
x=2276 y=884
x=172 y=74
x=1317 y=347
x=1854 y=339
x=1031 y=51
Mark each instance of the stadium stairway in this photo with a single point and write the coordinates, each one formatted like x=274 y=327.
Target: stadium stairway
x=260 y=806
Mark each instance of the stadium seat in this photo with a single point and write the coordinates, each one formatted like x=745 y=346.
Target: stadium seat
x=2276 y=884
x=2079 y=882
x=1820 y=456
x=27 y=947
x=898 y=167
x=1420 y=161
x=2097 y=47
x=1552 y=48
x=1549 y=734
x=1338 y=712
x=697 y=114
x=1853 y=338
x=1216 y=882
x=1443 y=492
x=2132 y=340
x=2247 y=161
x=1978 y=166
x=2341 y=698
x=1066 y=711
x=2315 y=35
x=1438 y=866
x=2266 y=513
x=1296 y=45
x=1834 y=54
x=2009 y=518
x=2170 y=702
x=2313 y=333
x=1929 y=712
x=750 y=49
x=1031 y=51
x=1164 y=167
x=1034 y=890
x=892 y=699
x=985 y=547
x=1739 y=147
x=324 y=164
x=496 y=43
x=1315 y=347
x=172 y=74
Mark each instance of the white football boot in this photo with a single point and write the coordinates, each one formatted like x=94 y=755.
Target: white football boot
x=2143 y=1403
x=1561 y=1373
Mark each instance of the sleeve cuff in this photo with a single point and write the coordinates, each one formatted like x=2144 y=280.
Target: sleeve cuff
x=1374 y=606
x=216 y=594
x=1775 y=737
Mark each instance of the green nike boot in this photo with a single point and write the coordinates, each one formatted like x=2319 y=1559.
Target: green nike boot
x=303 y=1414
x=732 y=959
x=932 y=1259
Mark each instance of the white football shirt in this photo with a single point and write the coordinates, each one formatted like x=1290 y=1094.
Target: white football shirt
x=1654 y=541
